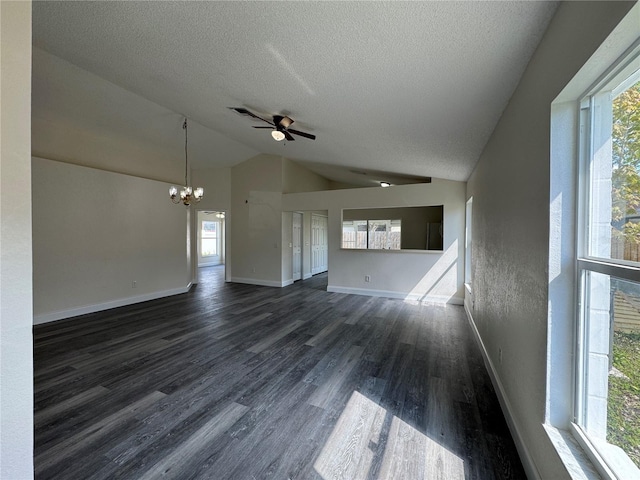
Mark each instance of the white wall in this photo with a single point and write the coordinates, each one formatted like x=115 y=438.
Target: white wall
x=297 y=178
x=95 y=233
x=16 y=344
x=81 y=118
x=418 y=275
x=510 y=190
x=217 y=188
x=255 y=246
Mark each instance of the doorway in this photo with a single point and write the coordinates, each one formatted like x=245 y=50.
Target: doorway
x=319 y=244
x=211 y=238
x=296 y=244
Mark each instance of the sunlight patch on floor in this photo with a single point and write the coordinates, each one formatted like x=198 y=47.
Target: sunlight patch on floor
x=369 y=440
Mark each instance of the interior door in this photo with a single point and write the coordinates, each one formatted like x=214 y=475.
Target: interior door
x=297 y=246
x=319 y=244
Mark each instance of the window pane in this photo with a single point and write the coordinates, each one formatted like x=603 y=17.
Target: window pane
x=611 y=404
x=614 y=220
x=209 y=247
x=378 y=234
x=384 y=234
x=209 y=229
x=354 y=234
x=623 y=425
x=361 y=233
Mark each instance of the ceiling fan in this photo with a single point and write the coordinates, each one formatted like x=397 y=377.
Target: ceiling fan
x=280 y=125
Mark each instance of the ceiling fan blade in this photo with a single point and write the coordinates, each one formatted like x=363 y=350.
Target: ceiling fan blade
x=302 y=134
x=288 y=136
x=270 y=128
x=260 y=118
x=248 y=113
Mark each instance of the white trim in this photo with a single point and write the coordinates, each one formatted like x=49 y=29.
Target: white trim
x=611 y=461
x=525 y=456
x=98 y=307
x=571 y=453
x=394 y=294
x=307 y=275
x=598 y=461
x=262 y=283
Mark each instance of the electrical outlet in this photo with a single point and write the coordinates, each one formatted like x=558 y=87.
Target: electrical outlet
x=253 y=270
x=134 y=284
x=499 y=355
x=367 y=278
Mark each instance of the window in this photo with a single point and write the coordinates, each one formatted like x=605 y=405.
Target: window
x=209 y=239
x=394 y=228
x=372 y=234
x=607 y=410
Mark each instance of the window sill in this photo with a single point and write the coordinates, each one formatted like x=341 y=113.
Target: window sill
x=571 y=454
x=613 y=462
x=571 y=451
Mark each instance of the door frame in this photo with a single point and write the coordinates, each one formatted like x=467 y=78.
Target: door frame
x=301 y=243
x=194 y=243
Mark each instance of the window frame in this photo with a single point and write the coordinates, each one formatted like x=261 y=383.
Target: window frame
x=614 y=80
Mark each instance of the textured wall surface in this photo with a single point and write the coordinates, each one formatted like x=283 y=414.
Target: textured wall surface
x=510 y=190
x=16 y=344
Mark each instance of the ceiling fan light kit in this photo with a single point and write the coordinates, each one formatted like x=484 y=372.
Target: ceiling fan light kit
x=277 y=135
x=187 y=193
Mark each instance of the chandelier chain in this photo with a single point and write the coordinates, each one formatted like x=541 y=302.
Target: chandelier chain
x=187 y=193
x=186 y=154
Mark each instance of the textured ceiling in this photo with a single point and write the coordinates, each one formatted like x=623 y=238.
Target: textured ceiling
x=414 y=88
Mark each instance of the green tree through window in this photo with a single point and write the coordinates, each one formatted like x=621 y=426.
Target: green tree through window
x=626 y=166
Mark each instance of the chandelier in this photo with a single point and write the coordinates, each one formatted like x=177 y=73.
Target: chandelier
x=187 y=193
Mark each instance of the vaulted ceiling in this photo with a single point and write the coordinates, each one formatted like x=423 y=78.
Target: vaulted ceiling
x=414 y=88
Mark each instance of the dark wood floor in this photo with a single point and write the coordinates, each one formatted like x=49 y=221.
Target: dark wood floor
x=235 y=381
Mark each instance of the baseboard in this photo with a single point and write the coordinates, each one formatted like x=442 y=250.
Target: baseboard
x=516 y=432
x=98 y=307
x=393 y=294
x=262 y=283
x=307 y=275
x=286 y=283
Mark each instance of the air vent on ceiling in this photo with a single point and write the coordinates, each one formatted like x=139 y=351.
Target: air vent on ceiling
x=241 y=111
